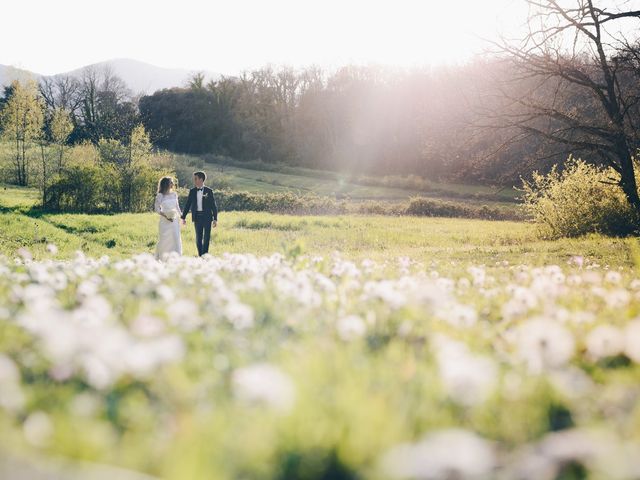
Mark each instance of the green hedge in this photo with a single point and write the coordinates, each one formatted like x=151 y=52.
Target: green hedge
x=290 y=203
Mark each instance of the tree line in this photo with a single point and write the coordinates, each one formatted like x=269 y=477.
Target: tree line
x=112 y=166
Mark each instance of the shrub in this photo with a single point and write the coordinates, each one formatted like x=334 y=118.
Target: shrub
x=290 y=203
x=580 y=199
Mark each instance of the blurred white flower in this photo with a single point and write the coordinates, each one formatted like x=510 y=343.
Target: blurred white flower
x=441 y=455
x=52 y=249
x=617 y=298
x=350 y=327
x=604 y=341
x=458 y=315
x=147 y=326
x=468 y=379
x=266 y=384
x=544 y=344
x=11 y=395
x=613 y=277
x=239 y=315
x=632 y=340
x=184 y=314
x=572 y=382
x=25 y=254
x=577 y=260
x=38 y=429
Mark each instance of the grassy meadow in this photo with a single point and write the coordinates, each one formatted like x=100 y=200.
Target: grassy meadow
x=264 y=178
x=358 y=237
x=315 y=347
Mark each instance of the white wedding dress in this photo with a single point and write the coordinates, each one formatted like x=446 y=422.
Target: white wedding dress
x=168 y=231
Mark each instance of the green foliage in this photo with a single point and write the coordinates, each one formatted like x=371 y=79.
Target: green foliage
x=291 y=203
x=433 y=208
x=580 y=199
x=112 y=177
x=21 y=120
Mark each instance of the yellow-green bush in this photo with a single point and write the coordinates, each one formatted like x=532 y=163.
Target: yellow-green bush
x=580 y=199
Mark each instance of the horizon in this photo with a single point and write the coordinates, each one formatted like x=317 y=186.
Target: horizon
x=254 y=34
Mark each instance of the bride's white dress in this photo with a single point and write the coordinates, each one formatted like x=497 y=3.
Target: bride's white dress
x=168 y=231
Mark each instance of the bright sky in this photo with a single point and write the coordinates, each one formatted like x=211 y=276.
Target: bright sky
x=228 y=36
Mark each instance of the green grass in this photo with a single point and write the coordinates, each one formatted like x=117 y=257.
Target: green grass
x=375 y=237
x=159 y=367
x=325 y=183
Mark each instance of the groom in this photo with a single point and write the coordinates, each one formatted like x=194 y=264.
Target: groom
x=204 y=211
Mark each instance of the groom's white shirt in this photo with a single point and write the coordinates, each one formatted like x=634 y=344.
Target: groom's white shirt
x=199 y=200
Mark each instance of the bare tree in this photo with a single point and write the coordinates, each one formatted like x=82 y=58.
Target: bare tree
x=576 y=82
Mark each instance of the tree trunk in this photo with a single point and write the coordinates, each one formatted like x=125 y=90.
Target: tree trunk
x=44 y=176
x=628 y=181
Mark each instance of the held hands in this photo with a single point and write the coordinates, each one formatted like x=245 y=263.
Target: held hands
x=214 y=223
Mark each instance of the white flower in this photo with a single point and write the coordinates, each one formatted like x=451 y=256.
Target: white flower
x=617 y=298
x=350 y=327
x=37 y=429
x=264 y=384
x=605 y=341
x=544 y=344
x=613 y=277
x=445 y=454
x=184 y=314
x=147 y=326
x=239 y=315
x=11 y=396
x=632 y=340
x=468 y=379
x=458 y=315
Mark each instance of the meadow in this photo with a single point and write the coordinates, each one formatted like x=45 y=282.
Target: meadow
x=319 y=347
x=260 y=177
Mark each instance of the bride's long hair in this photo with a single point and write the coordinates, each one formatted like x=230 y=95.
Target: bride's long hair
x=165 y=184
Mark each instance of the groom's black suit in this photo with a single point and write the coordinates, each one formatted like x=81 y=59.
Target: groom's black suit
x=202 y=218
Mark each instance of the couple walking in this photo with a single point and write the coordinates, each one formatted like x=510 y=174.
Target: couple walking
x=204 y=213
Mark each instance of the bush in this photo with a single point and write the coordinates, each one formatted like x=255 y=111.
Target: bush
x=578 y=200
x=290 y=203
x=102 y=180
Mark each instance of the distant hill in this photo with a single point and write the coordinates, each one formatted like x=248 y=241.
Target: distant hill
x=140 y=77
x=9 y=74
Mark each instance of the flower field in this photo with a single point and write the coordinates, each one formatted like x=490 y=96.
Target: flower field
x=319 y=367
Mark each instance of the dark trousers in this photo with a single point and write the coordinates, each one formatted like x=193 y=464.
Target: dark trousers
x=203 y=233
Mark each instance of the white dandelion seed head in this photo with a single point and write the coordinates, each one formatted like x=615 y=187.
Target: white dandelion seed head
x=632 y=340
x=441 y=455
x=544 y=344
x=265 y=384
x=351 y=327
x=604 y=341
x=38 y=429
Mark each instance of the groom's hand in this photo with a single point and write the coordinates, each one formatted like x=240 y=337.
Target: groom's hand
x=214 y=223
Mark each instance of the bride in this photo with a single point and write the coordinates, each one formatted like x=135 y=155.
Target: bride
x=166 y=205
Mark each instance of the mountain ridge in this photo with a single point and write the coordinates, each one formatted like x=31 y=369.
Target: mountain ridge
x=140 y=77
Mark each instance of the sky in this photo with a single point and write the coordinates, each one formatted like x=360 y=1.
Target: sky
x=230 y=36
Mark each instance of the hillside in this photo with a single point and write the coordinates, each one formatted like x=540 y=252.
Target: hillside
x=10 y=74
x=261 y=178
x=140 y=77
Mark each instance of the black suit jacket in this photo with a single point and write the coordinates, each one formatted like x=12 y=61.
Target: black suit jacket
x=209 y=207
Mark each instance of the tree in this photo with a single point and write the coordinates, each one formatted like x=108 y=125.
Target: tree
x=131 y=163
x=577 y=83
x=106 y=110
x=60 y=129
x=22 y=119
